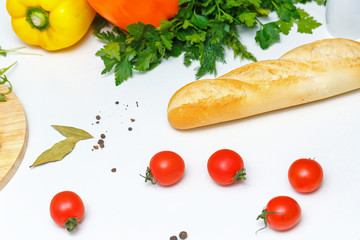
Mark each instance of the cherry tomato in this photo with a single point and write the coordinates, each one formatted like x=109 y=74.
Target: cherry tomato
x=67 y=209
x=281 y=213
x=226 y=167
x=165 y=168
x=305 y=175
x=124 y=12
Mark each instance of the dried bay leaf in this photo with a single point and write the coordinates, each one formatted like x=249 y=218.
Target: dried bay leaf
x=72 y=132
x=57 y=152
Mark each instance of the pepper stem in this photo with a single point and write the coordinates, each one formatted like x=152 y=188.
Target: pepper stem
x=71 y=224
x=38 y=18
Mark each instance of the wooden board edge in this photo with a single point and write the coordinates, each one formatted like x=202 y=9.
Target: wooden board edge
x=6 y=179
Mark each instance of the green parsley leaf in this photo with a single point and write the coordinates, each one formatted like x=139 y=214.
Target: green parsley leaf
x=218 y=31
x=176 y=50
x=269 y=34
x=285 y=27
x=287 y=11
x=123 y=70
x=110 y=50
x=196 y=37
x=306 y=23
x=248 y=17
x=109 y=64
x=199 y=21
x=136 y=30
x=145 y=59
x=262 y=11
x=255 y=3
x=166 y=41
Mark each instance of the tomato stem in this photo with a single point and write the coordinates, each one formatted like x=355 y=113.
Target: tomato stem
x=263 y=216
x=71 y=224
x=240 y=175
x=37 y=18
x=149 y=177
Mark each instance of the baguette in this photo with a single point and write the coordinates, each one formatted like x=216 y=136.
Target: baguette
x=308 y=73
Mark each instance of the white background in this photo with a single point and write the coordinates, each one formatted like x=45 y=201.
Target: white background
x=66 y=88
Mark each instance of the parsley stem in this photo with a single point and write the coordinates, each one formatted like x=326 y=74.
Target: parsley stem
x=222 y=12
x=15 y=50
x=3 y=70
x=277 y=8
x=7 y=84
x=261 y=24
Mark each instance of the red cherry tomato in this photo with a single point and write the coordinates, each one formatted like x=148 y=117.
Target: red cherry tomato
x=124 y=12
x=305 y=175
x=67 y=209
x=226 y=167
x=281 y=213
x=165 y=168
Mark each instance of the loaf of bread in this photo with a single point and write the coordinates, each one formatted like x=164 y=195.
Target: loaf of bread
x=311 y=72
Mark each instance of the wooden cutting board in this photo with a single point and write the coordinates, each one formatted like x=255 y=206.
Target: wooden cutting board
x=13 y=136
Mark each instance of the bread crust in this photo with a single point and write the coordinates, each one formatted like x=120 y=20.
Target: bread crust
x=308 y=73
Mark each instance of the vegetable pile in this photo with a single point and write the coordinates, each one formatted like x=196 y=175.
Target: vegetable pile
x=201 y=31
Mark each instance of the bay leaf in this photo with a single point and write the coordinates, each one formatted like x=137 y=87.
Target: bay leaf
x=68 y=132
x=57 y=152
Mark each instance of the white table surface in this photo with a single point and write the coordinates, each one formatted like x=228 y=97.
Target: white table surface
x=66 y=88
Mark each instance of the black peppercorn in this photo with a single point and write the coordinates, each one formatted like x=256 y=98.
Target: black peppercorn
x=183 y=235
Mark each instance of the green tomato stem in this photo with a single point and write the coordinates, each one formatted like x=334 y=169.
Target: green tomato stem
x=149 y=177
x=263 y=216
x=38 y=18
x=71 y=224
x=240 y=175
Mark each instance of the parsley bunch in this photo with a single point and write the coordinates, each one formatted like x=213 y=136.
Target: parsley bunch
x=201 y=30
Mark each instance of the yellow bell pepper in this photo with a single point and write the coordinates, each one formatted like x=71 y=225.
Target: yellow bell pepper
x=50 y=24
